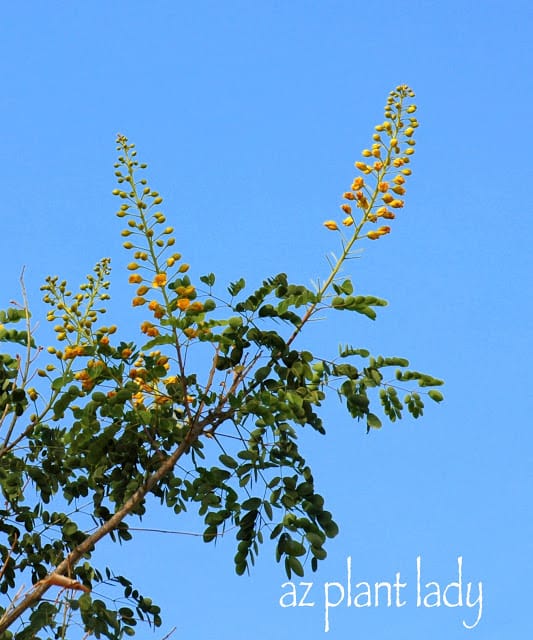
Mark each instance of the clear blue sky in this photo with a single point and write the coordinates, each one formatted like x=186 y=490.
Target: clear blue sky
x=250 y=115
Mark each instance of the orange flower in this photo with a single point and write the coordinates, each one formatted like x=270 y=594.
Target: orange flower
x=331 y=225
x=149 y=329
x=160 y=280
x=383 y=187
x=346 y=208
x=357 y=183
x=135 y=278
x=348 y=195
x=138 y=301
x=183 y=303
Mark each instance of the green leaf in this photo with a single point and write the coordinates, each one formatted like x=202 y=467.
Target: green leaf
x=372 y=421
x=436 y=395
x=228 y=461
x=236 y=287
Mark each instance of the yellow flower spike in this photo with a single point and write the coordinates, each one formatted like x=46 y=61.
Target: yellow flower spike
x=346 y=208
x=331 y=225
x=347 y=222
x=160 y=280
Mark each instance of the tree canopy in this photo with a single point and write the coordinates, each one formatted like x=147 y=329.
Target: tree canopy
x=108 y=418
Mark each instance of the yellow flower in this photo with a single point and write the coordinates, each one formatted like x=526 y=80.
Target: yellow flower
x=135 y=278
x=358 y=183
x=160 y=280
x=346 y=208
x=348 y=195
x=347 y=221
x=361 y=166
x=138 y=301
x=396 y=204
x=183 y=303
x=331 y=225
x=190 y=332
x=142 y=290
x=374 y=235
x=383 y=187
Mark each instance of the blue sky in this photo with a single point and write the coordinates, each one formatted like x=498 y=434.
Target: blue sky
x=250 y=116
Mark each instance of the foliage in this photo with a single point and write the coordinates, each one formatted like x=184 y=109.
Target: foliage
x=109 y=420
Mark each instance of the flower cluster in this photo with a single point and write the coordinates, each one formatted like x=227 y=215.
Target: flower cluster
x=378 y=192
x=153 y=265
